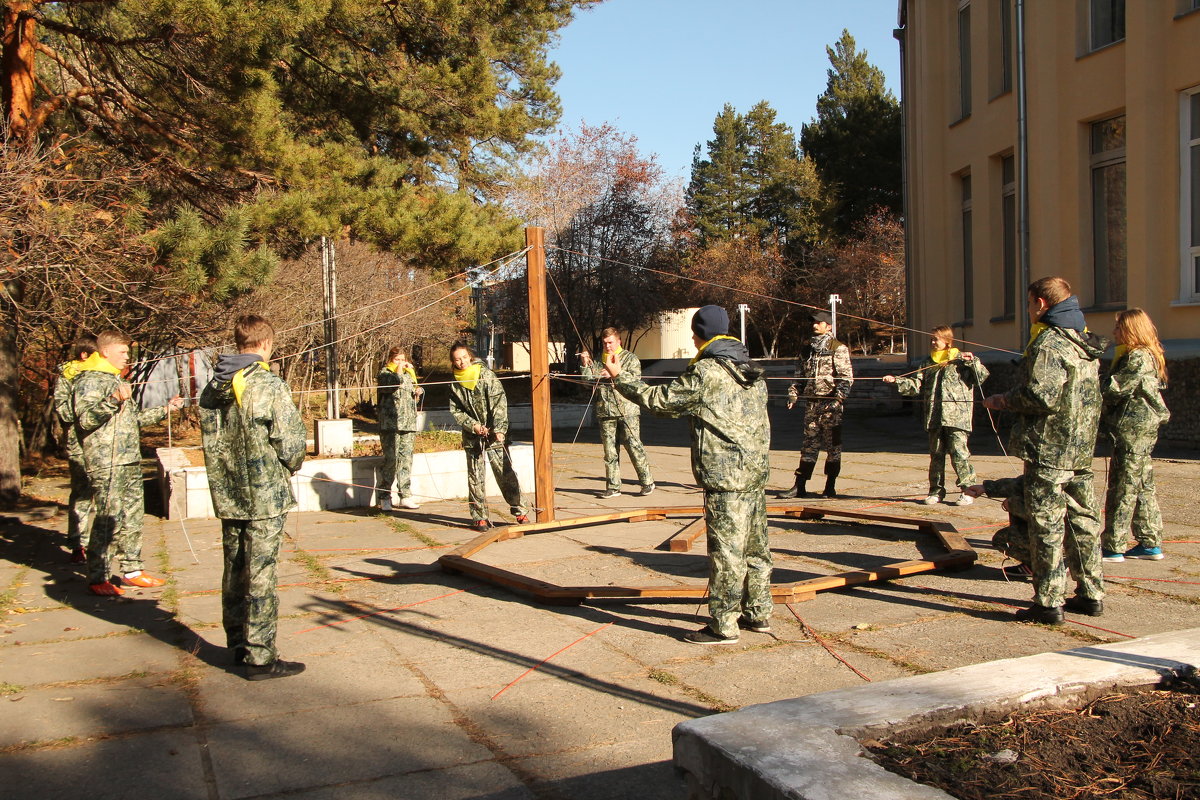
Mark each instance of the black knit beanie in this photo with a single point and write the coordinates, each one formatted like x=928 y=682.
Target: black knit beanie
x=710 y=321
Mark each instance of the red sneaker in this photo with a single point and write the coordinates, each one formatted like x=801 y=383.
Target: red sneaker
x=481 y=525
x=143 y=580
x=522 y=519
x=106 y=589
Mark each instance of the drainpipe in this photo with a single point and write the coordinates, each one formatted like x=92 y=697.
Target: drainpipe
x=1022 y=179
x=900 y=35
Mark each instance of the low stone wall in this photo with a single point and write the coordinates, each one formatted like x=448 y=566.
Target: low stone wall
x=327 y=483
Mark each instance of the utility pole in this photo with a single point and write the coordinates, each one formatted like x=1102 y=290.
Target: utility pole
x=333 y=408
x=742 y=309
x=834 y=301
x=539 y=374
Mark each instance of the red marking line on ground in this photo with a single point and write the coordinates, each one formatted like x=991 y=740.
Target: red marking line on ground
x=1010 y=605
x=377 y=613
x=983 y=527
x=1180 y=541
x=368 y=549
x=552 y=655
x=890 y=502
x=1156 y=580
x=198 y=592
x=811 y=633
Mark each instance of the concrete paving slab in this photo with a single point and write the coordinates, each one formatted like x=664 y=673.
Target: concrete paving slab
x=55 y=624
x=161 y=764
x=36 y=664
x=137 y=704
x=528 y=719
x=290 y=751
x=485 y=781
x=640 y=768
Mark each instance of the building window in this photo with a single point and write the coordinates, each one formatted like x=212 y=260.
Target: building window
x=1008 y=196
x=1108 y=209
x=964 y=58
x=1190 y=195
x=1001 y=47
x=1186 y=7
x=967 y=243
x=1106 y=22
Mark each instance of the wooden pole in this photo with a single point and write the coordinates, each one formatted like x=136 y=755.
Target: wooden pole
x=539 y=374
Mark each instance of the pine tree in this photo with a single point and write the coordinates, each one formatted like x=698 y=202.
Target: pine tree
x=855 y=139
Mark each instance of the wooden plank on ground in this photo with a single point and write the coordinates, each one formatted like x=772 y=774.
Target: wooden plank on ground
x=683 y=539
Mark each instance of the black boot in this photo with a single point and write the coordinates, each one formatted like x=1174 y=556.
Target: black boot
x=803 y=473
x=831 y=473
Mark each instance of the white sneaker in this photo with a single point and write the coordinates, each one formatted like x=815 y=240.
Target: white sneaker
x=965 y=500
x=932 y=500
x=408 y=502
x=385 y=504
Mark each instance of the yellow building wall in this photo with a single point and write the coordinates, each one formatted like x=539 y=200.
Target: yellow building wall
x=1068 y=89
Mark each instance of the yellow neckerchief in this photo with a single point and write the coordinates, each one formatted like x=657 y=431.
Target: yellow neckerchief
x=1035 y=329
x=98 y=363
x=468 y=377
x=412 y=373
x=1122 y=350
x=239 y=379
x=71 y=369
x=696 y=357
x=944 y=356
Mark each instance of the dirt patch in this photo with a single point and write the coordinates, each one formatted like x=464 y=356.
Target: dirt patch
x=1136 y=744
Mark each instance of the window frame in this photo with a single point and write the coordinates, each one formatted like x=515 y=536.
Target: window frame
x=967 y=233
x=1189 y=196
x=1093 y=6
x=1099 y=164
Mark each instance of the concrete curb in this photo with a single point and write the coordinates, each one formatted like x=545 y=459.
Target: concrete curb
x=807 y=747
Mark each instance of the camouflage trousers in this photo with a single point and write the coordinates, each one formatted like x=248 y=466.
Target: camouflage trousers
x=951 y=441
x=1063 y=521
x=119 y=504
x=397 y=463
x=79 y=517
x=1013 y=539
x=1131 y=503
x=506 y=478
x=617 y=431
x=739 y=582
x=249 y=597
x=822 y=431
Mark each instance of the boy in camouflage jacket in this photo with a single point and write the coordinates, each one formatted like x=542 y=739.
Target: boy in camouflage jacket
x=108 y=425
x=254 y=441
x=1057 y=404
x=479 y=405
x=79 y=519
x=724 y=396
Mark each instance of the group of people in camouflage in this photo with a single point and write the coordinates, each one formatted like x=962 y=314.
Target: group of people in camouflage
x=254 y=441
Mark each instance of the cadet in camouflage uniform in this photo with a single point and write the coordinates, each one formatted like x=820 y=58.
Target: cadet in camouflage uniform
x=397 y=403
x=1057 y=404
x=254 y=441
x=1133 y=411
x=823 y=378
x=479 y=405
x=946 y=382
x=620 y=419
x=108 y=425
x=79 y=519
x=724 y=397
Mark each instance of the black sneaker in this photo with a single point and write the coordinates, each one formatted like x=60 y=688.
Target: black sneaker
x=1018 y=571
x=608 y=494
x=706 y=636
x=748 y=624
x=1042 y=614
x=646 y=490
x=1084 y=605
x=276 y=669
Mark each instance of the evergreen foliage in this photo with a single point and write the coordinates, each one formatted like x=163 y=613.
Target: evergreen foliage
x=855 y=140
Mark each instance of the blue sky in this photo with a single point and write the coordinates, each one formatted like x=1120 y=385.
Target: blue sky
x=663 y=69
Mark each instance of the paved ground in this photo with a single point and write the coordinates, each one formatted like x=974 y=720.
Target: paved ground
x=422 y=684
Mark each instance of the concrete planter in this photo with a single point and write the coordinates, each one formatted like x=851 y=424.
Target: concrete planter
x=329 y=483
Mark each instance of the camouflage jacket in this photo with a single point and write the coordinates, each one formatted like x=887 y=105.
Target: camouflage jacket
x=397 y=401
x=822 y=370
x=1133 y=402
x=610 y=404
x=1057 y=399
x=485 y=405
x=724 y=397
x=63 y=390
x=947 y=390
x=109 y=432
x=254 y=441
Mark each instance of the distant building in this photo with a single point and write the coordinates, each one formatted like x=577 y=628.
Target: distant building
x=1113 y=108
x=669 y=337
